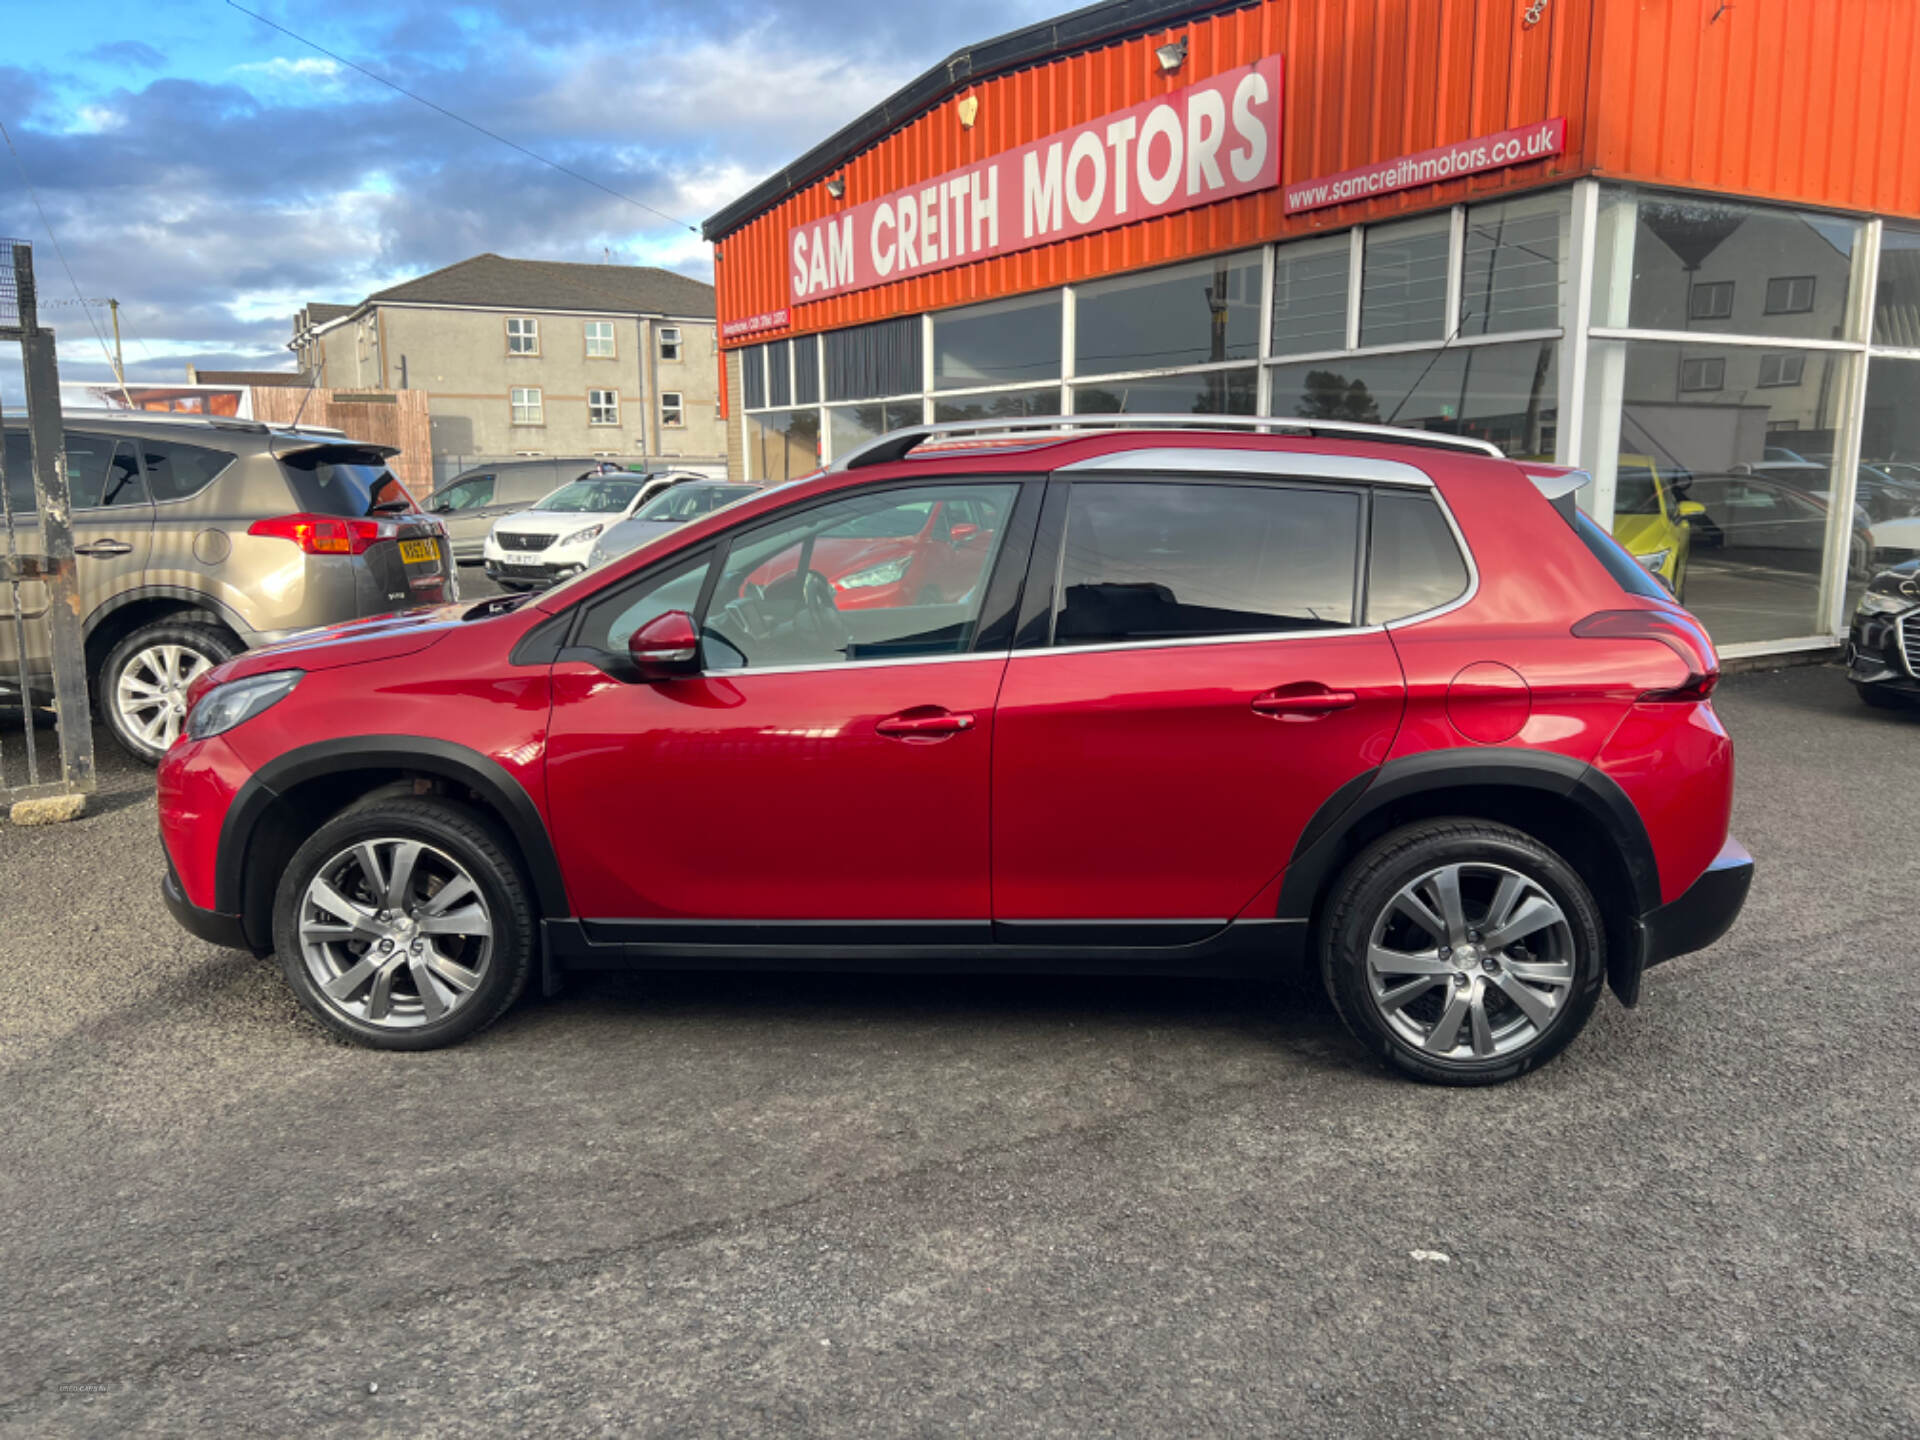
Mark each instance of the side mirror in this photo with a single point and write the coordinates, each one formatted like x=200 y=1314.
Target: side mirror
x=963 y=533
x=1690 y=510
x=665 y=647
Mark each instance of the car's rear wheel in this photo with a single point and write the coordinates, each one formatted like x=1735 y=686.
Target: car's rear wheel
x=404 y=924
x=142 y=686
x=1463 y=952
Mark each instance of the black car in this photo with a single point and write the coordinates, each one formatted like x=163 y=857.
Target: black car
x=1883 y=650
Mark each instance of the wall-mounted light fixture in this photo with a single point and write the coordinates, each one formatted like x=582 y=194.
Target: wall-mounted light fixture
x=1172 y=55
x=836 y=186
x=969 y=110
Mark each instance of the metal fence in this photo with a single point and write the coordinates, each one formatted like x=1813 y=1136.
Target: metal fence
x=42 y=650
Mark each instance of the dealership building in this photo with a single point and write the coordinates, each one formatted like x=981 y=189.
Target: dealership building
x=1675 y=243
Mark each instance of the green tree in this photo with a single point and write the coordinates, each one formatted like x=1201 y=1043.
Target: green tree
x=1331 y=396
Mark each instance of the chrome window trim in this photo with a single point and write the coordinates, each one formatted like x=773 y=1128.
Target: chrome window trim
x=889 y=661
x=1290 y=464
x=1267 y=636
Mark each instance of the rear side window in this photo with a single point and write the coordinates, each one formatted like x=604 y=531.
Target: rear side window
x=1413 y=563
x=1620 y=565
x=335 y=483
x=103 y=473
x=1156 y=560
x=177 y=470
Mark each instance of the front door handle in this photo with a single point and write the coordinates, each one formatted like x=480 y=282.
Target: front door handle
x=103 y=549
x=926 y=722
x=1302 y=702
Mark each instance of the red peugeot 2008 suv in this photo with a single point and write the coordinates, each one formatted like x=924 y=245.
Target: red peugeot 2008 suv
x=1153 y=696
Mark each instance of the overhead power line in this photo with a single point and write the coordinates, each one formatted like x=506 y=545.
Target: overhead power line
x=461 y=119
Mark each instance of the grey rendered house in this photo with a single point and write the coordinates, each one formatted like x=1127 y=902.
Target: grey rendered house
x=534 y=357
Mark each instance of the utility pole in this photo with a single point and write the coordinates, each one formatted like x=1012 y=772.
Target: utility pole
x=119 y=370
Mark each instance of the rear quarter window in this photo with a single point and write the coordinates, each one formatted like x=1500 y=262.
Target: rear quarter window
x=176 y=470
x=1619 y=564
x=1413 y=562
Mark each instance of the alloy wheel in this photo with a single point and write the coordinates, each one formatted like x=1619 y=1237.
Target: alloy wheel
x=1471 y=961
x=395 y=933
x=151 y=693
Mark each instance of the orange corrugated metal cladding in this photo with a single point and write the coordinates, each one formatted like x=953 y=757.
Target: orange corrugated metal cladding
x=1804 y=100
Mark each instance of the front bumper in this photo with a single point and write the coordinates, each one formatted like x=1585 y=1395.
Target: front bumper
x=1879 y=656
x=209 y=925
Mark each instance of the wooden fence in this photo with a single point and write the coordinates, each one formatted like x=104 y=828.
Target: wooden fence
x=379 y=417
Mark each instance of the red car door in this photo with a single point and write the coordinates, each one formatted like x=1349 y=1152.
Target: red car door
x=1207 y=687
x=830 y=762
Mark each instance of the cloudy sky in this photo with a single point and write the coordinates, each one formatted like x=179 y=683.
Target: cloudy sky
x=213 y=175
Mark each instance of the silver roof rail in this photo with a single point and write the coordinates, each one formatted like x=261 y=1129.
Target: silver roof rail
x=896 y=444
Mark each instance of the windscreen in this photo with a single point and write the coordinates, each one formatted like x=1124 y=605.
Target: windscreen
x=335 y=481
x=601 y=495
x=682 y=502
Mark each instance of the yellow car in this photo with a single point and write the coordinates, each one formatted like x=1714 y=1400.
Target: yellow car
x=1650 y=521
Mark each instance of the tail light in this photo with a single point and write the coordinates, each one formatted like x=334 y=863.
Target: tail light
x=1679 y=632
x=326 y=534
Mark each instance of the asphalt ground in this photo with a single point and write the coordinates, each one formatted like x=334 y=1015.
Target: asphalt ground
x=896 y=1206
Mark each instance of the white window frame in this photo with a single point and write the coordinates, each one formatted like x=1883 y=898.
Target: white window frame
x=530 y=332
x=673 y=409
x=1789 y=281
x=670 y=344
x=1705 y=364
x=537 y=408
x=612 y=352
x=610 y=404
x=1783 y=362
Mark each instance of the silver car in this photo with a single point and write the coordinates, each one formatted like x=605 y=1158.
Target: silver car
x=469 y=503
x=666 y=513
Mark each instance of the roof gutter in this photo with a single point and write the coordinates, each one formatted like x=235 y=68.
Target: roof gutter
x=1086 y=29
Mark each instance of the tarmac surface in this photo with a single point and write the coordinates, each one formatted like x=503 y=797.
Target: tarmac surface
x=899 y=1206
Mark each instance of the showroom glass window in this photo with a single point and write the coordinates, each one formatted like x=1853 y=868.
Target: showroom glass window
x=1216 y=392
x=1148 y=561
x=854 y=425
x=1403 y=281
x=1196 y=314
x=1310 y=284
x=1002 y=343
x=783 y=445
x=1513 y=258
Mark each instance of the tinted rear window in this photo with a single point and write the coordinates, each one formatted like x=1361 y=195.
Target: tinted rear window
x=1620 y=565
x=334 y=483
x=1413 y=563
x=1168 y=560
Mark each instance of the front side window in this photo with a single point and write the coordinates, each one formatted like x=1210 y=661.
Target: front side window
x=669 y=342
x=102 y=473
x=523 y=335
x=672 y=411
x=609 y=622
x=1156 y=561
x=527 y=409
x=895 y=574
x=1413 y=561
x=600 y=340
x=603 y=407
x=470 y=494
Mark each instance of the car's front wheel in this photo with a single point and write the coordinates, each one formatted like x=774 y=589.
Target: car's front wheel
x=1463 y=952
x=404 y=924
x=141 y=689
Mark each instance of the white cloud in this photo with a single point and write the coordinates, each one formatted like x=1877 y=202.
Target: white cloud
x=307 y=69
x=96 y=120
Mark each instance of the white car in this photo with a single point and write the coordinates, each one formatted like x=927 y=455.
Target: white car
x=554 y=539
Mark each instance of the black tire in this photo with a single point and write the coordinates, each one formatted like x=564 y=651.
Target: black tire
x=210 y=644
x=1361 y=899
x=468 y=838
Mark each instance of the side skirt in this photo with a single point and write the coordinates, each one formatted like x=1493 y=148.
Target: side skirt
x=1179 y=947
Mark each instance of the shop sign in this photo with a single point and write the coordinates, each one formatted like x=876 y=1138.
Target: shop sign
x=1204 y=143
x=754 y=324
x=1430 y=167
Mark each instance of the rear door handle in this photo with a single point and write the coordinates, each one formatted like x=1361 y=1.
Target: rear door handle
x=102 y=549
x=1302 y=703
x=924 y=723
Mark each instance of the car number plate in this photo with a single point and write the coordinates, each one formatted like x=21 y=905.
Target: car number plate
x=420 y=552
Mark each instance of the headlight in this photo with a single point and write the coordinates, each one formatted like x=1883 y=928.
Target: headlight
x=1873 y=603
x=882 y=574
x=1654 y=561
x=225 y=706
x=581 y=536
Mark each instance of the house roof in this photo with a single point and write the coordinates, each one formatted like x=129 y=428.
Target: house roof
x=496 y=282
x=318 y=312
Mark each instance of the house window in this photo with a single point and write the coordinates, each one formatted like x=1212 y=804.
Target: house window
x=1789 y=295
x=600 y=339
x=1711 y=300
x=1707 y=373
x=1785 y=368
x=603 y=407
x=523 y=335
x=669 y=342
x=671 y=412
x=526 y=405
